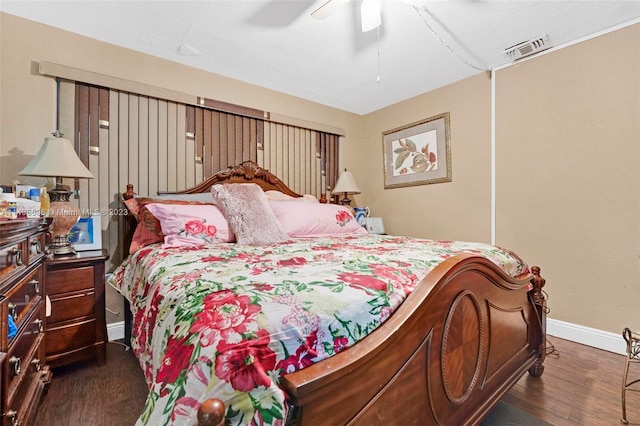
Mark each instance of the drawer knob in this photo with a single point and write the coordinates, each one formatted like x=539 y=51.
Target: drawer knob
x=16 y=364
x=18 y=255
x=36 y=286
x=36 y=363
x=12 y=415
x=13 y=311
x=37 y=246
x=39 y=323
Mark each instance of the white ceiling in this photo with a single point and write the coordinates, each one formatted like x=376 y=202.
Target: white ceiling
x=277 y=44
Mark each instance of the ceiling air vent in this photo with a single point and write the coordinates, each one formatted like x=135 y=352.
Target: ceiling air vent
x=527 y=48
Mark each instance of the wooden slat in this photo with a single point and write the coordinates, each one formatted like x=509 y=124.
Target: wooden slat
x=207 y=124
x=132 y=120
x=103 y=114
x=182 y=164
x=115 y=236
x=123 y=143
x=172 y=148
x=246 y=139
x=223 y=133
x=216 y=138
x=104 y=199
x=154 y=124
x=94 y=118
x=163 y=148
x=143 y=145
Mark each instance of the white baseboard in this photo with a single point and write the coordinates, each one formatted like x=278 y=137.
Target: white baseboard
x=564 y=330
x=587 y=336
x=115 y=331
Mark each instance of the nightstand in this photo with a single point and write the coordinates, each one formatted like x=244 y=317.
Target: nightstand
x=75 y=328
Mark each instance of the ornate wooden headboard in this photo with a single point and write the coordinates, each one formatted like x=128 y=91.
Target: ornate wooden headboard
x=245 y=172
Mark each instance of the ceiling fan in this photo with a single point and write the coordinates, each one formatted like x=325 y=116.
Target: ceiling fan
x=370 y=12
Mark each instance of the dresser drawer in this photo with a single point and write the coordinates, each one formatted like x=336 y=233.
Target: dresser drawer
x=22 y=299
x=35 y=247
x=68 y=280
x=70 y=306
x=24 y=357
x=11 y=258
x=70 y=337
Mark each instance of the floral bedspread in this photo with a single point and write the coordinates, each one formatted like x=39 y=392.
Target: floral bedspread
x=227 y=321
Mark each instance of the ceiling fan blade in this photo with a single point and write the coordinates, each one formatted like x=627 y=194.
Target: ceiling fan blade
x=328 y=8
x=370 y=15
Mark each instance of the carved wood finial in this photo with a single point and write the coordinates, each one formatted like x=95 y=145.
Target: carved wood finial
x=129 y=193
x=211 y=413
x=538 y=283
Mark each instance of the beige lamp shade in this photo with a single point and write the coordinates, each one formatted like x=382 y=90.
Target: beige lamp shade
x=57 y=158
x=346 y=184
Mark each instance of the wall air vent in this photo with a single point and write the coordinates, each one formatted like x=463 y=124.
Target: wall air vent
x=527 y=48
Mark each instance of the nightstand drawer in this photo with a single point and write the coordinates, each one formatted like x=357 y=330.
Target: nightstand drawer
x=76 y=328
x=71 y=306
x=67 y=338
x=68 y=280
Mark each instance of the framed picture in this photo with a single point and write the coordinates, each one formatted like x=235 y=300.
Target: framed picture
x=418 y=153
x=86 y=234
x=375 y=225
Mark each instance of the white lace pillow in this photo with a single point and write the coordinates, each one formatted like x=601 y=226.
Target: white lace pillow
x=248 y=212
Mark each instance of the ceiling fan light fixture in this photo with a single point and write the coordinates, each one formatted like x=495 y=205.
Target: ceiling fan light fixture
x=370 y=15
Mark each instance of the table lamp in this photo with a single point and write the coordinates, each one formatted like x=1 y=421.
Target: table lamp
x=58 y=159
x=346 y=185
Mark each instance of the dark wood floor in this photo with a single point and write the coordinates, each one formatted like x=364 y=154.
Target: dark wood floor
x=580 y=386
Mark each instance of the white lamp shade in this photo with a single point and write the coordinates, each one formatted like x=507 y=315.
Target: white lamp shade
x=346 y=184
x=57 y=158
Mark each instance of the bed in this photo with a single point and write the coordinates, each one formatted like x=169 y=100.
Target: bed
x=386 y=329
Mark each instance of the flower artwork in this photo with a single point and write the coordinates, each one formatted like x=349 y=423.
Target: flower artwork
x=414 y=154
x=418 y=153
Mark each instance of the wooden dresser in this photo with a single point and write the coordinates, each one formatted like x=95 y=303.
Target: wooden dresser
x=23 y=369
x=76 y=328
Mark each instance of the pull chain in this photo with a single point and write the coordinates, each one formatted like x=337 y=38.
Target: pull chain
x=378 y=79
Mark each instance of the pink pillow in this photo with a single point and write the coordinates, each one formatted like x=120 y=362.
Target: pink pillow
x=246 y=208
x=191 y=224
x=315 y=220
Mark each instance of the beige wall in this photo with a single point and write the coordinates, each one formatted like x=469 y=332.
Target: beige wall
x=567 y=170
x=567 y=138
x=573 y=203
x=459 y=209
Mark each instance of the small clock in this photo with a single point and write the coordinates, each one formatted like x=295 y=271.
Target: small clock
x=375 y=225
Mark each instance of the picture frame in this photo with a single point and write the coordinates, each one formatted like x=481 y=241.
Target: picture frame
x=86 y=234
x=418 y=153
x=375 y=225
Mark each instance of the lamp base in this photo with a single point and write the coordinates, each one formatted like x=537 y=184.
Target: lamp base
x=61 y=246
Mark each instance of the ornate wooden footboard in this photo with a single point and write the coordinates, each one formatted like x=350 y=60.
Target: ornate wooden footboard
x=457 y=344
x=462 y=339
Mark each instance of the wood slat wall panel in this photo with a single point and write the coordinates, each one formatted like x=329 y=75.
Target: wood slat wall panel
x=154 y=144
